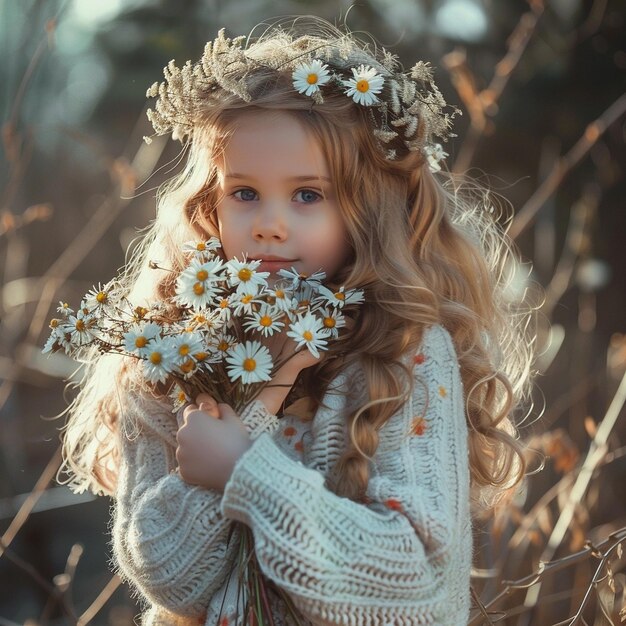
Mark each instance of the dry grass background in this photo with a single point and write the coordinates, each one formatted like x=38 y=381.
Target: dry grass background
x=543 y=112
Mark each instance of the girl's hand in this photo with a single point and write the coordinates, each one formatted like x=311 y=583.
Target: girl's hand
x=211 y=438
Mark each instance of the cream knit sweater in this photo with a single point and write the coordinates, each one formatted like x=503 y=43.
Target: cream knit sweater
x=402 y=559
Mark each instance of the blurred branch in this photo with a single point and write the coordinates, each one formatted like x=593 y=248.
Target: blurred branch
x=574 y=244
x=602 y=551
x=484 y=104
x=51 y=589
x=36 y=213
x=12 y=142
x=597 y=451
x=26 y=508
x=100 y=601
x=63 y=582
x=565 y=164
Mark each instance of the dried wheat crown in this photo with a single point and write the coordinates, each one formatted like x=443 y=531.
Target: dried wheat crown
x=406 y=109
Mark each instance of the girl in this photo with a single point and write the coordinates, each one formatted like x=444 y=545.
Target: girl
x=358 y=473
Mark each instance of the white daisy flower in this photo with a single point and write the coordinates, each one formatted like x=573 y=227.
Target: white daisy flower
x=250 y=361
x=265 y=321
x=196 y=286
x=202 y=249
x=296 y=277
x=332 y=319
x=340 y=298
x=80 y=327
x=435 y=154
x=158 y=362
x=64 y=309
x=364 y=84
x=58 y=340
x=309 y=330
x=209 y=321
x=224 y=306
x=244 y=275
x=184 y=346
x=100 y=298
x=179 y=398
x=282 y=298
x=306 y=295
x=308 y=77
x=139 y=336
x=244 y=304
x=224 y=343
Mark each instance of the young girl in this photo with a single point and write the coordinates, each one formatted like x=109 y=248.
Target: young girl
x=358 y=473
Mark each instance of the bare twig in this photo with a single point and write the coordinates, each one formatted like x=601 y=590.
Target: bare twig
x=40 y=486
x=100 y=601
x=565 y=164
x=482 y=106
x=597 y=451
x=602 y=551
x=51 y=589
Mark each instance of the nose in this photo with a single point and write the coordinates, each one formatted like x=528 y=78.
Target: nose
x=271 y=223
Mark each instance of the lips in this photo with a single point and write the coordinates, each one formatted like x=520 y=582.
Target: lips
x=273 y=263
x=271 y=257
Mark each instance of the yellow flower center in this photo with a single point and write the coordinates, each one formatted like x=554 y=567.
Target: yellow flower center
x=181 y=396
x=311 y=79
x=308 y=335
x=54 y=323
x=80 y=325
x=340 y=296
x=244 y=274
x=187 y=366
x=141 y=342
x=249 y=365
x=201 y=246
x=266 y=320
x=223 y=346
x=279 y=293
x=199 y=319
x=200 y=356
x=183 y=350
x=329 y=322
x=247 y=298
x=198 y=289
x=202 y=275
x=223 y=304
x=102 y=297
x=156 y=358
x=363 y=86
x=140 y=312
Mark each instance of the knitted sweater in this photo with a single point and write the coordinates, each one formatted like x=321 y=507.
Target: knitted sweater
x=401 y=559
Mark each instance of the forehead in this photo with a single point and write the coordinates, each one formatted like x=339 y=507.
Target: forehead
x=272 y=143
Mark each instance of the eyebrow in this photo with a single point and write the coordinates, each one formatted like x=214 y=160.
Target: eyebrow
x=292 y=179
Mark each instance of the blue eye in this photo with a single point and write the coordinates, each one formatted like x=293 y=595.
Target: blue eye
x=247 y=198
x=309 y=196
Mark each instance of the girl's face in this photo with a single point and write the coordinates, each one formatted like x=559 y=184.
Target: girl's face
x=277 y=198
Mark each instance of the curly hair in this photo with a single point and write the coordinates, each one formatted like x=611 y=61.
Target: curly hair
x=426 y=247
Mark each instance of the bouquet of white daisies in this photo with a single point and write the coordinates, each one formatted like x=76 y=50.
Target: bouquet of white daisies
x=214 y=344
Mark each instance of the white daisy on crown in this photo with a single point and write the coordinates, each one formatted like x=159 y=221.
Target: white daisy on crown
x=406 y=110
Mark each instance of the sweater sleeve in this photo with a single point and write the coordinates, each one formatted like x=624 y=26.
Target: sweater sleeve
x=169 y=538
x=394 y=559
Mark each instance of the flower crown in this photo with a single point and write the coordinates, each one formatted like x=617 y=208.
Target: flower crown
x=407 y=110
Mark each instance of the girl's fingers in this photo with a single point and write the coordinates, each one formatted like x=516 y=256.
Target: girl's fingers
x=211 y=408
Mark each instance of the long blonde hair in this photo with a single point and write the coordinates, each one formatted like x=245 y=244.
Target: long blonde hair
x=427 y=249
